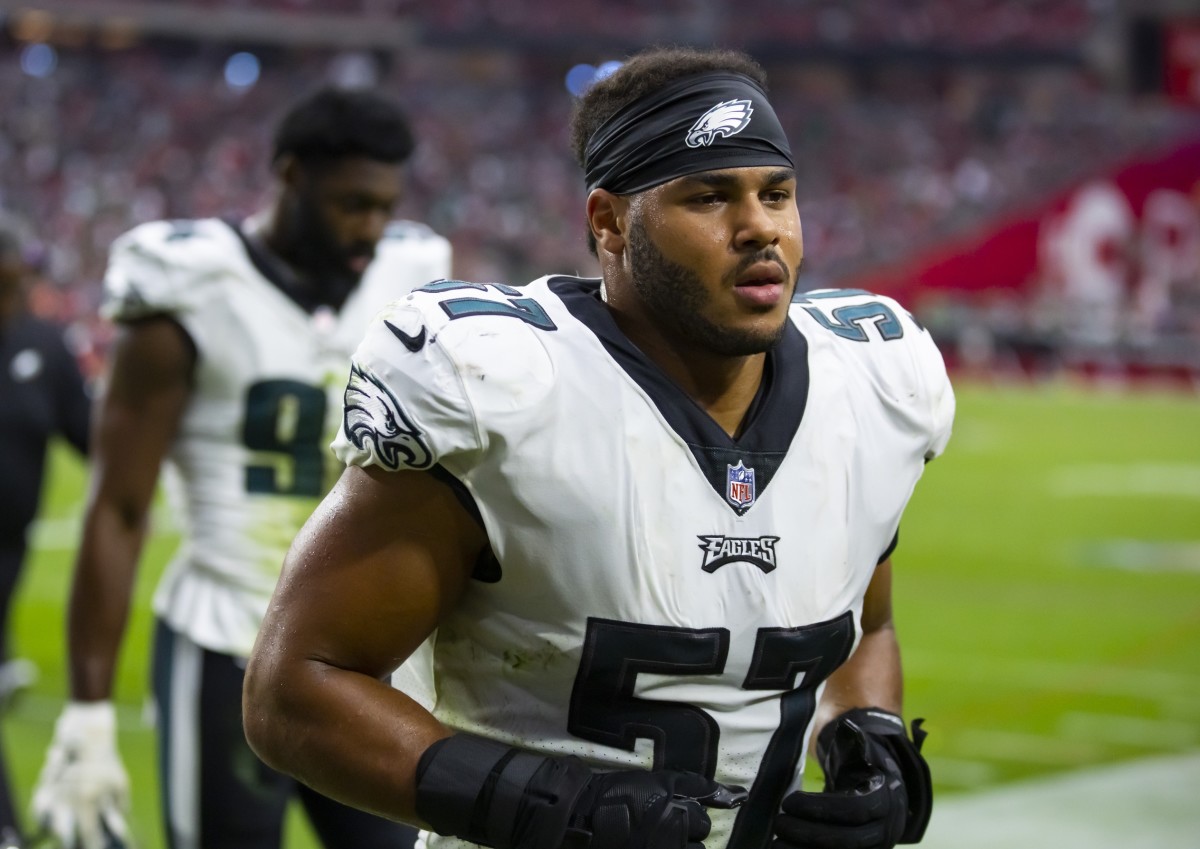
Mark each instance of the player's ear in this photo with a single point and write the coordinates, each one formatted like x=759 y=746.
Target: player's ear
x=287 y=170
x=608 y=216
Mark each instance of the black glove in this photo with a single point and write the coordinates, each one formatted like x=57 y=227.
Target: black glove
x=877 y=787
x=508 y=798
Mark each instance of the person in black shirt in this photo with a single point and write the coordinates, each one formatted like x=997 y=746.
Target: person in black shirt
x=42 y=396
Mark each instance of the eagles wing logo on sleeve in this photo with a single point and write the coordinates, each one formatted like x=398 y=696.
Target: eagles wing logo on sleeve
x=374 y=422
x=725 y=119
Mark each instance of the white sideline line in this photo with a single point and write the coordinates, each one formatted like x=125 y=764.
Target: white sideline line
x=1135 y=555
x=1129 y=730
x=1082 y=738
x=61 y=533
x=40 y=709
x=1018 y=747
x=1059 y=677
x=1150 y=803
x=1180 y=480
x=1181 y=707
x=57 y=534
x=960 y=772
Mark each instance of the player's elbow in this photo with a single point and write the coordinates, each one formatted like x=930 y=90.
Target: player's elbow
x=265 y=714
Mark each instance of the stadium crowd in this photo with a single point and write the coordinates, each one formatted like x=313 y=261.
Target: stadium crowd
x=893 y=156
x=955 y=23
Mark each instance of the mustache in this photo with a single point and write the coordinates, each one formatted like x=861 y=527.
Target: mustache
x=767 y=255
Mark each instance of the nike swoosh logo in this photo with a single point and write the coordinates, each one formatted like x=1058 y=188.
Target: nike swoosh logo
x=413 y=343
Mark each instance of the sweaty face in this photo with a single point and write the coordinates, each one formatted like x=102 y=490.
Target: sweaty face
x=338 y=212
x=713 y=258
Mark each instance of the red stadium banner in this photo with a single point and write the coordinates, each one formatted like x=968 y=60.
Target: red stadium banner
x=1102 y=280
x=1140 y=220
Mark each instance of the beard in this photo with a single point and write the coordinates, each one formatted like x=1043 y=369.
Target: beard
x=676 y=298
x=320 y=254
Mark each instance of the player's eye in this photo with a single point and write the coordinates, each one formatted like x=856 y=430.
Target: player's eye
x=777 y=196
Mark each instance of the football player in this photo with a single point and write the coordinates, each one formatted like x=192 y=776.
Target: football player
x=234 y=342
x=649 y=519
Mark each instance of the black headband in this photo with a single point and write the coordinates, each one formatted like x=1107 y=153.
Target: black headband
x=700 y=123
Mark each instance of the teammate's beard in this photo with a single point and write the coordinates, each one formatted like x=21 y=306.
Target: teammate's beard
x=321 y=255
x=677 y=299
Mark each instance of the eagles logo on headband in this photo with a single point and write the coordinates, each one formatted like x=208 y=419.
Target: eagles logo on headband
x=724 y=119
x=699 y=123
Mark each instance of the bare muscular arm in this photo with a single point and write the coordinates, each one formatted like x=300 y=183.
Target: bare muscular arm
x=872 y=676
x=135 y=420
x=367 y=579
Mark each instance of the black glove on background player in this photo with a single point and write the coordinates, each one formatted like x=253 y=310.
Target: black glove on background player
x=877 y=787
x=508 y=798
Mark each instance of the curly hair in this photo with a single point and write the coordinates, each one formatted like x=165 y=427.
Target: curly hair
x=645 y=73
x=335 y=123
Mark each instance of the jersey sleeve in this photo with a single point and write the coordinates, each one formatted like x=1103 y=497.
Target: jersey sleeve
x=896 y=354
x=146 y=274
x=926 y=377
x=405 y=406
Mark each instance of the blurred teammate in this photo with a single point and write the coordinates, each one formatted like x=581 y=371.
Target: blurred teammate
x=42 y=396
x=234 y=341
x=649 y=516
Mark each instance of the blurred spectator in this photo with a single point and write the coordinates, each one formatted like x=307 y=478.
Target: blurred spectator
x=42 y=397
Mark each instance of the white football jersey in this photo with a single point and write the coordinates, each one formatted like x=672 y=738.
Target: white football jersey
x=251 y=454
x=664 y=596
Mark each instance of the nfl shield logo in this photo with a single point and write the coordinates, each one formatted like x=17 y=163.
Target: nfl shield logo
x=741 y=485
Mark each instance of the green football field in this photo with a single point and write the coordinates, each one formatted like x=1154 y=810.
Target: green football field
x=1047 y=598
